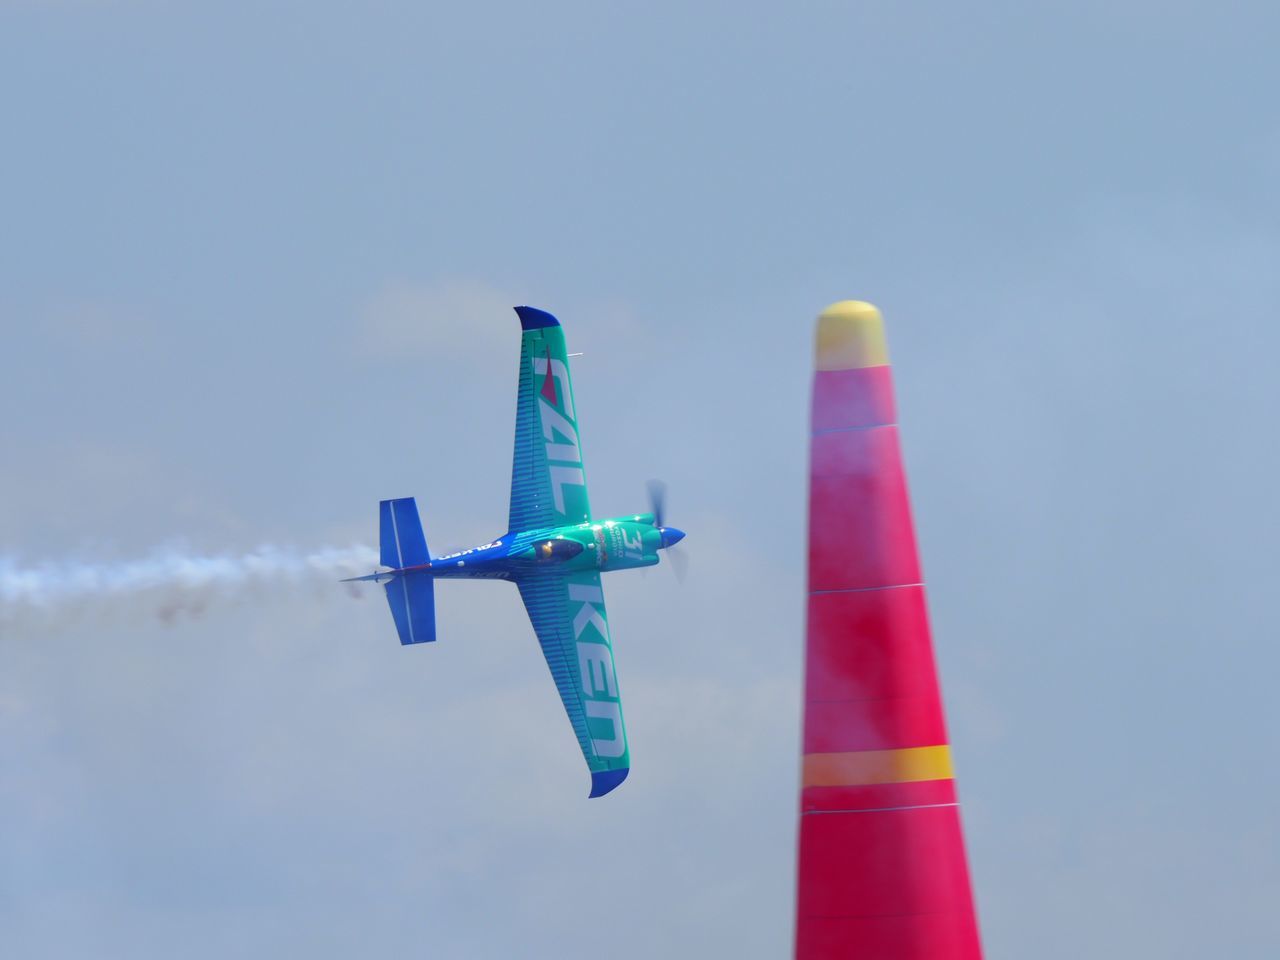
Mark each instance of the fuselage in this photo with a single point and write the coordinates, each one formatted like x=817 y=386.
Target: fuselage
x=618 y=543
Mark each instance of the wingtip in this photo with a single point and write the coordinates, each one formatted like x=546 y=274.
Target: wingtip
x=602 y=781
x=531 y=318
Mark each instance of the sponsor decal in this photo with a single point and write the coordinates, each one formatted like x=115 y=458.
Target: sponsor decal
x=595 y=662
x=470 y=550
x=555 y=410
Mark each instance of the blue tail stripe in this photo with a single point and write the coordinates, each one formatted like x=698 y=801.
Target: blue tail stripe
x=412 y=598
x=400 y=534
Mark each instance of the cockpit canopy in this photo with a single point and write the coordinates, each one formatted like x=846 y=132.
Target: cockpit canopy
x=556 y=551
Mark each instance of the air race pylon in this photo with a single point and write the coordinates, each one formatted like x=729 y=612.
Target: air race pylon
x=882 y=873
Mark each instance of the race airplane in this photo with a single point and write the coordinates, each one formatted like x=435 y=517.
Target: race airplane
x=553 y=550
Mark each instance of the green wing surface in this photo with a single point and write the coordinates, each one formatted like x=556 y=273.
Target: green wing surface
x=548 y=484
x=569 y=617
x=549 y=489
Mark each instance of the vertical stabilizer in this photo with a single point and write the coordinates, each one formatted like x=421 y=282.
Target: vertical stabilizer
x=411 y=595
x=400 y=534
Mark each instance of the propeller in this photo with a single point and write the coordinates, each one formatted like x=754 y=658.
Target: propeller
x=679 y=562
x=670 y=535
x=657 y=501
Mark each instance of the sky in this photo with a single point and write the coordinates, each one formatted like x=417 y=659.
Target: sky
x=256 y=270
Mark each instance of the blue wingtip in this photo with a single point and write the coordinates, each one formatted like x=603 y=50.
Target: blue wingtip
x=605 y=780
x=531 y=318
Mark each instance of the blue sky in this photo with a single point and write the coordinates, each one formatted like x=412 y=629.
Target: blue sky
x=256 y=271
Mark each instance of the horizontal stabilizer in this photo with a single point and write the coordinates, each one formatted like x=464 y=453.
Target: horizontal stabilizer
x=372 y=577
x=412 y=597
x=400 y=534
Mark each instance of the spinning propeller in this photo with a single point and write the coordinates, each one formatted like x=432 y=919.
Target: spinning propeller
x=670 y=535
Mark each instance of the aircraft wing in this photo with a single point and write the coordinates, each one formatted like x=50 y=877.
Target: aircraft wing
x=569 y=618
x=548 y=485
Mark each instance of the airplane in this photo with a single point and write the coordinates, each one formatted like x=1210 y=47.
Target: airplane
x=553 y=551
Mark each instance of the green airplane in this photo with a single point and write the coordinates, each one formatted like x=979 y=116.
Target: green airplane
x=554 y=552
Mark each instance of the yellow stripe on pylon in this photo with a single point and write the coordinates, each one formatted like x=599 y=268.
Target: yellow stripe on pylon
x=877 y=766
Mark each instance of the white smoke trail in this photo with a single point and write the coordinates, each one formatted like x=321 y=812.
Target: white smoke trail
x=168 y=583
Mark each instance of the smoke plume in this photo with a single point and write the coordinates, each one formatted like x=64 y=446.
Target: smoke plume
x=169 y=583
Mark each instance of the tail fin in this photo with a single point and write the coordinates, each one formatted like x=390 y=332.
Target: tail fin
x=413 y=607
x=412 y=596
x=400 y=533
